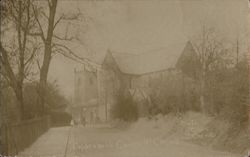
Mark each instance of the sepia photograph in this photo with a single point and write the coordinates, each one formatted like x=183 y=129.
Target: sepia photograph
x=124 y=78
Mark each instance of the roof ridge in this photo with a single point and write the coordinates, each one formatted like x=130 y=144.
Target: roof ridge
x=149 y=51
x=115 y=52
x=152 y=60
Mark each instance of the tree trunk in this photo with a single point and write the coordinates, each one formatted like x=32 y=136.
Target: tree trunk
x=47 y=55
x=202 y=93
x=43 y=77
x=202 y=101
x=20 y=102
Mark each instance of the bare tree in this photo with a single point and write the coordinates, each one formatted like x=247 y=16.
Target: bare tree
x=209 y=49
x=18 y=53
x=34 y=23
x=53 y=42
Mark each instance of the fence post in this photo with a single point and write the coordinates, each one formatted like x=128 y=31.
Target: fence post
x=18 y=136
x=4 y=139
x=48 y=123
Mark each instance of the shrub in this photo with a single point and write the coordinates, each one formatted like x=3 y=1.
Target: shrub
x=125 y=108
x=228 y=92
x=174 y=93
x=60 y=118
x=54 y=99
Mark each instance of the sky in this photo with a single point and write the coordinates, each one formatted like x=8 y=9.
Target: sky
x=141 y=26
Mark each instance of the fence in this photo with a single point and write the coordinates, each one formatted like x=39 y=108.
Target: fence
x=19 y=136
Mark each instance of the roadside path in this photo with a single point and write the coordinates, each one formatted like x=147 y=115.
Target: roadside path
x=109 y=142
x=51 y=144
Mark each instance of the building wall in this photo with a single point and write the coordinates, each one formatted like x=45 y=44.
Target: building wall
x=110 y=85
x=106 y=89
x=86 y=95
x=85 y=87
x=145 y=81
x=101 y=94
x=114 y=82
x=108 y=82
x=105 y=83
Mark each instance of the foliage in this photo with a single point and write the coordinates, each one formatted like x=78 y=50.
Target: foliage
x=211 y=50
x=229 y=92
x=55 y=101
x=29 y=27
x=224 y=86
x=17 y=49
x=174 y=93
x=125 y=108
x=59 y=118
x=8 y=105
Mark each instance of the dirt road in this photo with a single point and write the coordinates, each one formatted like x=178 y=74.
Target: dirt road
x=109 y=142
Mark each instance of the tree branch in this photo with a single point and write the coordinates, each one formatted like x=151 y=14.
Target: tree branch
x=43 y=13
x=65 y=38
x=7 y=66
x=56 y=23
x=49 y=4
x=26 y=30
x=62 y=52
x=67 y=18
x=31 y=56
x=38 y=65
x=39 y=24
x=72 y=53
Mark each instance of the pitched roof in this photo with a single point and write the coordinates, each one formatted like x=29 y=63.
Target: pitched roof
x=155 y=60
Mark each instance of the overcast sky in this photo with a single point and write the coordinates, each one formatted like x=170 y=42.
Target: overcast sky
x=144 y=25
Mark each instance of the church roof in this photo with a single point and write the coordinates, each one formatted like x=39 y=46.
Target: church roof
x=155 y=60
